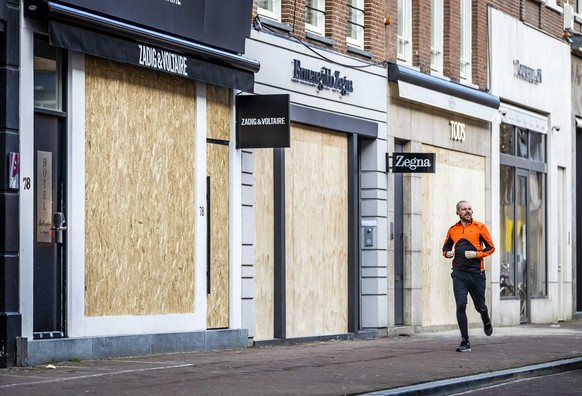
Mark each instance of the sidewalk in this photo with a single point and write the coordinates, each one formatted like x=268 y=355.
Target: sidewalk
x=320 y=368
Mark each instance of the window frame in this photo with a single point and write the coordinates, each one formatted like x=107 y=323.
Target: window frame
x=358 y=8
x=319 y=10
x=436 y=36
x=274 y=14
x=466 y=44
x=404 y=33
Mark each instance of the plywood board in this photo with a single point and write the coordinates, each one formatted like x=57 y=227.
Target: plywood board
x=139 y=191
x=217 y=299
x=316 y=207
x=459 y=176
x=264 y=247
x=218 y=112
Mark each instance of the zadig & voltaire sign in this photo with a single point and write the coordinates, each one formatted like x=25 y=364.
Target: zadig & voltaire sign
x=323 y=79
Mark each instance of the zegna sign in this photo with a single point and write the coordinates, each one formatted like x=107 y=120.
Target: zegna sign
x=411 y=162
x=322 y=79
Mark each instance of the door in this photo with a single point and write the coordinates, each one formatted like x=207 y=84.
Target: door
x=398 y=236
x=217 y=236
x=521 y=273
x=50 y=237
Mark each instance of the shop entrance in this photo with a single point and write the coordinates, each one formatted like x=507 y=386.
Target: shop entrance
x=217 y=273
x=50 y=225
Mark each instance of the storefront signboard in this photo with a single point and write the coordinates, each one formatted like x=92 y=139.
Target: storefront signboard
x=262 y=121
x=411 y=162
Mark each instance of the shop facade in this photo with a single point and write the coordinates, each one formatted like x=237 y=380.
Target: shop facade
x=315 y=247
x=429 y=114
x=532 y=146
x=129 y=178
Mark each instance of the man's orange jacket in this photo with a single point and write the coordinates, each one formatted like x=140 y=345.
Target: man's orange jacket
x=474 y=237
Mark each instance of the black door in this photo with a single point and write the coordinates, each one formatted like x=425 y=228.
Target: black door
x=49 y=234
x=398 y=235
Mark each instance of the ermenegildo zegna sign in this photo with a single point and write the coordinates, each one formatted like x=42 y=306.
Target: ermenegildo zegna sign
x=262 y=121
x=411 y=162
x=221 y=23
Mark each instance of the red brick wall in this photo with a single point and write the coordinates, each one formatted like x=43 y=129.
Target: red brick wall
x=381 y=39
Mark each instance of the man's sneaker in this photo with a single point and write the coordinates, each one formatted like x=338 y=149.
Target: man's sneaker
x=464 y=347
x=488 y=328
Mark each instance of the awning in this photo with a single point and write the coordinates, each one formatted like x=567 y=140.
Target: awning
x=97 y=35
x=447 y=95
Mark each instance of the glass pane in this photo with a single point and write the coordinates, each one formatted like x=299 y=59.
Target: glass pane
x=46 y=76
x=537 y=232
x=506 y=205
x=507 y=139
x=522 y=146
x=266 y=5
x=521 y=245
x=537 y=146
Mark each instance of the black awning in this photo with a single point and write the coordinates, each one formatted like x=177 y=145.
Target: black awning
x=145 y=54
x=402 y=73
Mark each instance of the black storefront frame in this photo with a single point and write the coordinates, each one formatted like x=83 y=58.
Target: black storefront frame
x=357 y=130
x=10 y=315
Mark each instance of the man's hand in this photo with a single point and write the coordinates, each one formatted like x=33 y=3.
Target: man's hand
x=470 y=254
x=450 y=254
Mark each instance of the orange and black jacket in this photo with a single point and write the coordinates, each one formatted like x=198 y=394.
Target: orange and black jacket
x=474 y=236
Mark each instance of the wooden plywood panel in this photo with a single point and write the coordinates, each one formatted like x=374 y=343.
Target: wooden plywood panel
x=139 y=195
x=217 y=299
x=459 y=176
x=264 y=247
x=218 y=112
x=316 y=206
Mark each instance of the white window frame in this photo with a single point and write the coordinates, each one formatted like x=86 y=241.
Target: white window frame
x=404 y=42
x=466 y=41
x=436 y=36
x=359 y=23
x=578 y=7
x=319 y=8
x=273 y=12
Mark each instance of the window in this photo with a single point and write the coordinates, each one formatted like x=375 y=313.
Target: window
x=47 y=76
x=466 y=36
x=270 y=9
x=404 y=46
x=522 y=214
x=355 y=34
x=578 y=7
x=436 y=35
x=315 y=16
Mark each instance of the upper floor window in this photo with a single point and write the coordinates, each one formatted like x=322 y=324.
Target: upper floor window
x=355 y=35
x=436 y=36
x=270 y=9
x=578 y=7
x=47 y=76
x=315 y=16
x=404 y=46
x=466 y=36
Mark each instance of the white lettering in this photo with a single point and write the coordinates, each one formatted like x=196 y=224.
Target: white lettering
x=457 y=131
x=163 y=60
x=412 y=163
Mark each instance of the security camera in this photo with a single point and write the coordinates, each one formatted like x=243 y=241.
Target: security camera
x=556 y=128
x=503 y=112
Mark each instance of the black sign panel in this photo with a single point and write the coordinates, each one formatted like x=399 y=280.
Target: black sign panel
x=141 y=54
x=262 y=121
x=220 y=23
x=411 y=162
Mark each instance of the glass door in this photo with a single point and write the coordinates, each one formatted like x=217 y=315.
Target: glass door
x=521 y=247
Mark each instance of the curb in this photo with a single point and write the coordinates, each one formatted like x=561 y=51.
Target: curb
x=472 y=382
